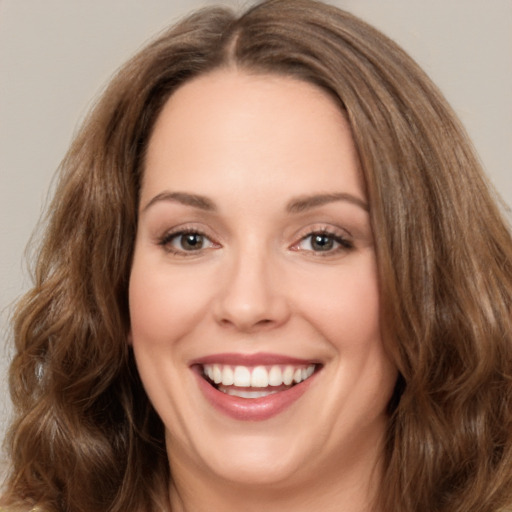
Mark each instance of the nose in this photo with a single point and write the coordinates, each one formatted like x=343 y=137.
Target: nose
x=251 y=294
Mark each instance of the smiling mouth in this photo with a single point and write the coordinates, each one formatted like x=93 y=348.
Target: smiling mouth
x=253 y=382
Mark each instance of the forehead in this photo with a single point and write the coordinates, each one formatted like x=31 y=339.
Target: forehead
x=235 y=127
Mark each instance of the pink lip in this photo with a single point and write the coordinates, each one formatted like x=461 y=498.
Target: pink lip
x=251 y=409
x=258 y=359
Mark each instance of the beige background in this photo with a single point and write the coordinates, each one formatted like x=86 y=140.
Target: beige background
x=56 y=55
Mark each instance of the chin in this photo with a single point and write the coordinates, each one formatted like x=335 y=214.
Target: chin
x=257 y=469
x=252 y=459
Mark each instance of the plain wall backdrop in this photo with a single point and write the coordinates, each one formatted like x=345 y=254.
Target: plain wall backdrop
x=57 y=55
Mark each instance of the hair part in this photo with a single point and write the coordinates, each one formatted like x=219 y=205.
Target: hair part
x=85 y=436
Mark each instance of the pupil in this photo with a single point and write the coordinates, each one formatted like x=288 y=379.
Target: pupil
x=192 y=241
x=322 y=242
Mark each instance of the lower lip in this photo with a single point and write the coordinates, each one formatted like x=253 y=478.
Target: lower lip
x=253 y=409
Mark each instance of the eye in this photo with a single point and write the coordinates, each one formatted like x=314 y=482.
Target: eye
x=323 y=241
x=186 y=242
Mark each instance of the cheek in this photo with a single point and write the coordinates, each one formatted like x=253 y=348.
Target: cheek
x=163 y=304
x=345 y=305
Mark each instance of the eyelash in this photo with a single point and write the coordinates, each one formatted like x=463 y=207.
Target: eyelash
x=335 y=238
x=166 y=240
x=344 y=244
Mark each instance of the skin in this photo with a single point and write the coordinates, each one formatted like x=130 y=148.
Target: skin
x=252 y=145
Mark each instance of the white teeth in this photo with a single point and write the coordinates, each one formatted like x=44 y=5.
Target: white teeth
x=217 y=374
x=288 y=375
x=227 y=376
x=243 y=393
x=242 y=377
x=257 y=376
x=275 y=376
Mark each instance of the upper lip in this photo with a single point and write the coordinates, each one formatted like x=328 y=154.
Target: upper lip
x=257 y=359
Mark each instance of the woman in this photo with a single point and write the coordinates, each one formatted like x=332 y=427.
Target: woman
x=273 y=277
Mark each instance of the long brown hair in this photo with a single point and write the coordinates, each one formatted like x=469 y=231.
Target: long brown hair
x=85 y=436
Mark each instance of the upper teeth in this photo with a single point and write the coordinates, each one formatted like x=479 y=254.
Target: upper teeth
x=257 y=376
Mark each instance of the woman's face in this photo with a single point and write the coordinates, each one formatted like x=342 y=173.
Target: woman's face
x=253 y=294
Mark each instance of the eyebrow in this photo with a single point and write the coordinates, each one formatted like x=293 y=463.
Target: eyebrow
x=296 y=205
x=304 y=203
x=194 y=200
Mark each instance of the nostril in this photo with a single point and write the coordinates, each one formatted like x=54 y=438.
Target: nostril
x=246 y=301
x=249 y=326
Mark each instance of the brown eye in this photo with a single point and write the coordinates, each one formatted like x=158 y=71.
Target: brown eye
x=323 y=241
x=190 y=241
x=186 y=242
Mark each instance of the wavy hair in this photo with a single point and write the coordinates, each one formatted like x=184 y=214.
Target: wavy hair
x=85 y=436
